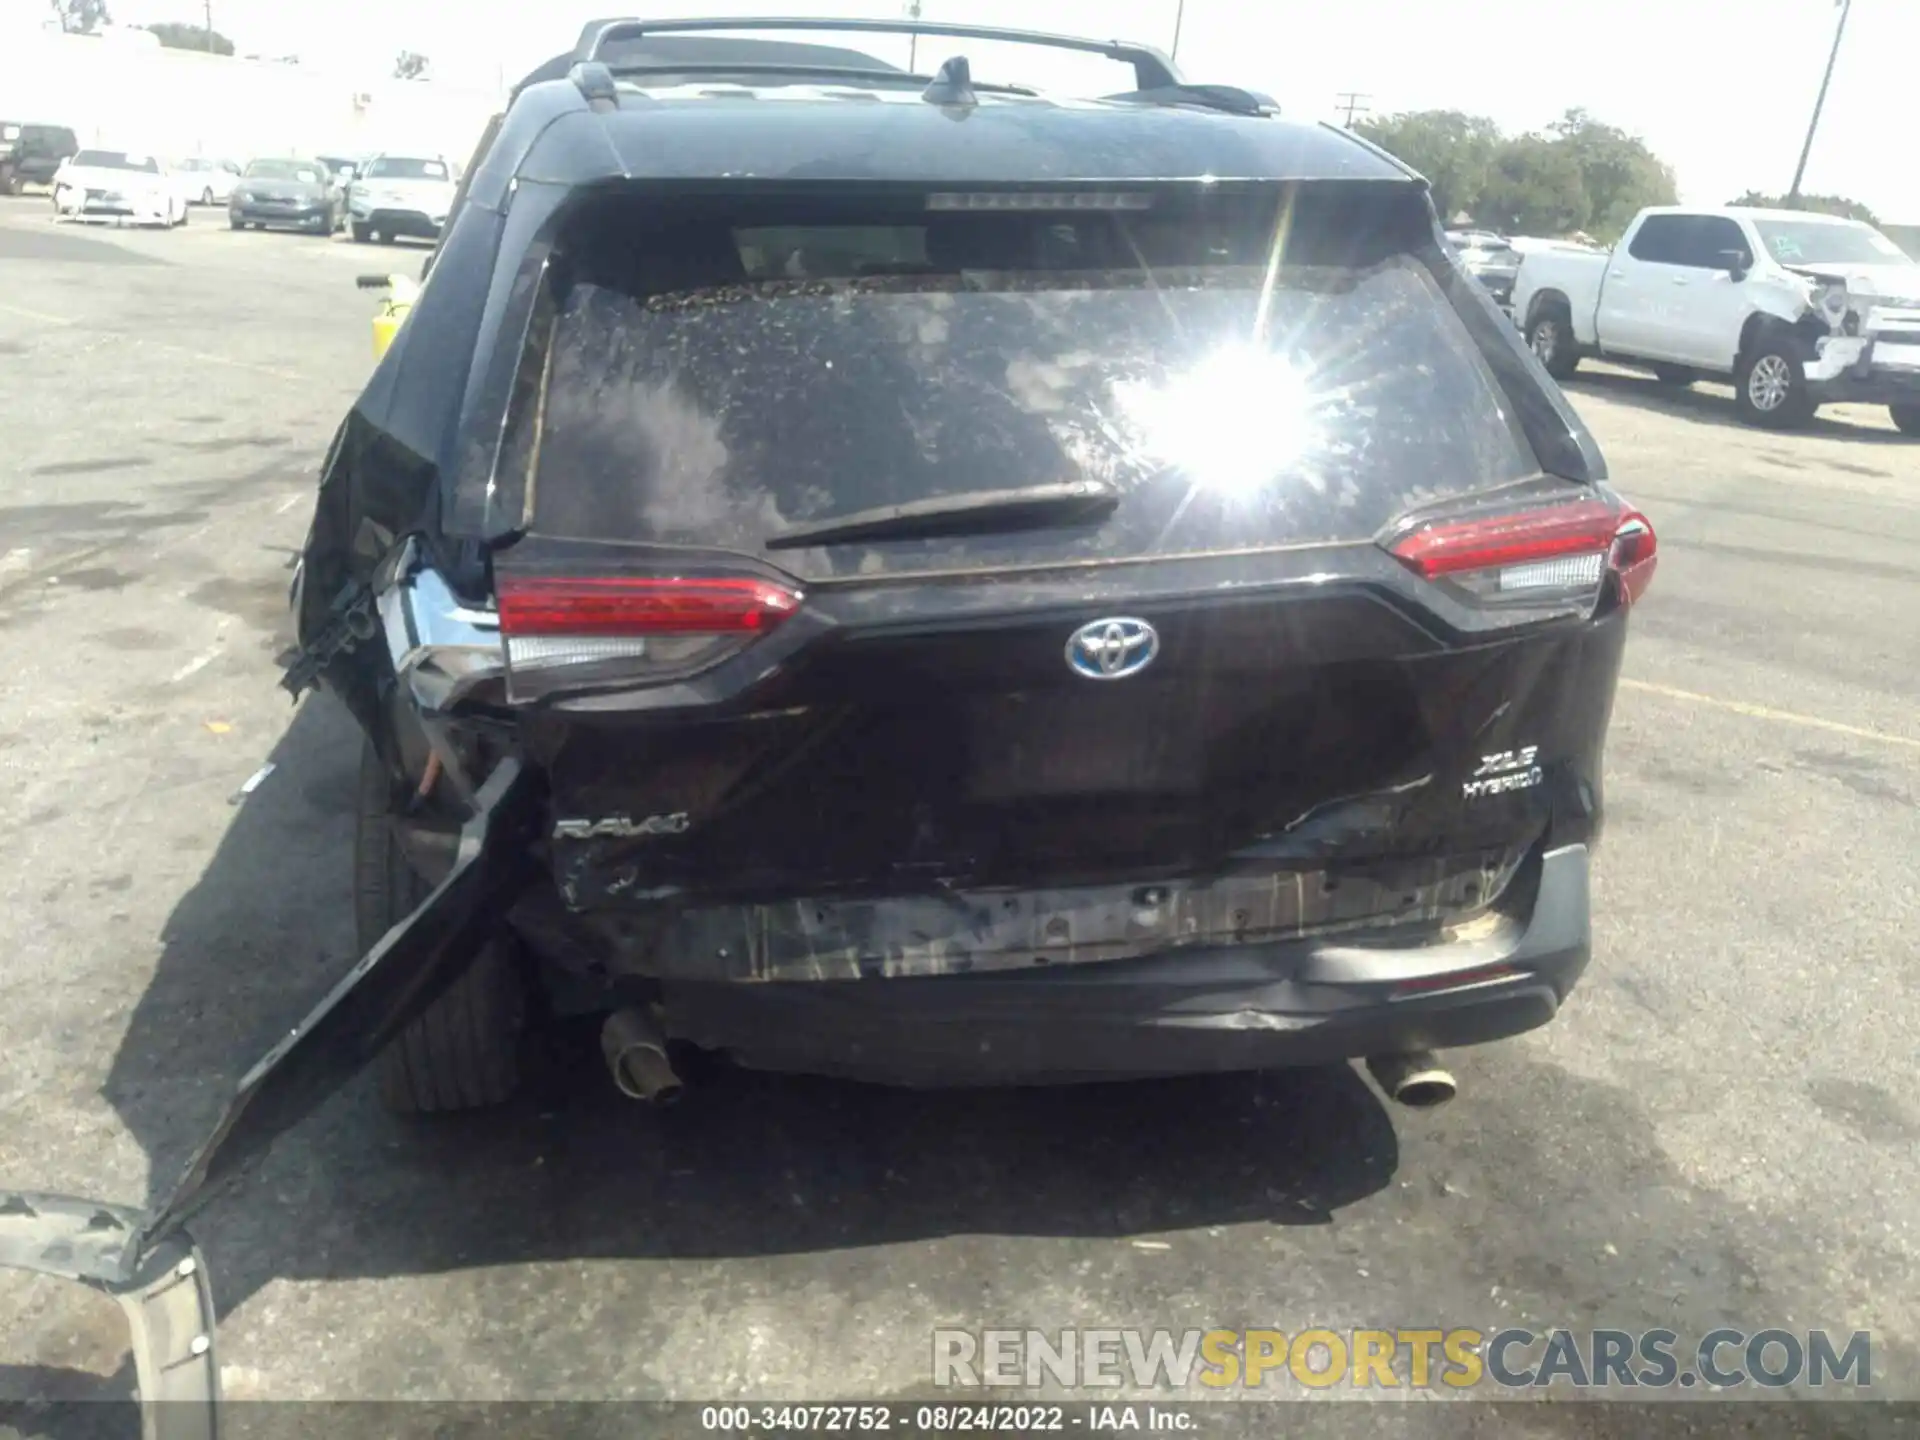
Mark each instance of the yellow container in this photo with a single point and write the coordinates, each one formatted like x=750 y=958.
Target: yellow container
x=401 y=293
x=385 y=326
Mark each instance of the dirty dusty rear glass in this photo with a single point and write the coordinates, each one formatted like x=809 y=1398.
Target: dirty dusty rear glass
x=720 y=378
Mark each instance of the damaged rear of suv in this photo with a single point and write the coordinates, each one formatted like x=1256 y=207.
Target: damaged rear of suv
x=984 y=589
x=905 y=577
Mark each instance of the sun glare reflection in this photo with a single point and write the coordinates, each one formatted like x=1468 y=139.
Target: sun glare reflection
x=1231 y=422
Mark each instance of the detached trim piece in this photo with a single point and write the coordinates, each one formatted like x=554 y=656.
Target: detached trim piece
x=164 y=1295
x=144 y=1259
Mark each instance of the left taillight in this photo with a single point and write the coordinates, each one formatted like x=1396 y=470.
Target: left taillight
x=1539 y=556
x=638 y=628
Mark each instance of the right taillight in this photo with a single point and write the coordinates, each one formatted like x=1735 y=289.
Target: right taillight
x=633 y=627
x=1534 y=557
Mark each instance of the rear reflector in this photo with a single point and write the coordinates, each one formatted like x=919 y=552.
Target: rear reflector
x=1547 y=554
x=622 y=606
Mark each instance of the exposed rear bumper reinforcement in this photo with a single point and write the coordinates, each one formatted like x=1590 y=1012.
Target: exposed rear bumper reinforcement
x=1311 y=1001
x=145 y=1259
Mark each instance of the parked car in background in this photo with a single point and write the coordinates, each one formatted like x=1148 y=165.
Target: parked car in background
x=118 y=185
x=395 y=195
x=1489 y=258
x=341 y=170
x=207 y=182
x=285 y=194
x=1525 y=245
x=1799 y=309
x=29 y=154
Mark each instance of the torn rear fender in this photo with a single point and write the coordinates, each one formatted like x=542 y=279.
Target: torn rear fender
x=144 y=1259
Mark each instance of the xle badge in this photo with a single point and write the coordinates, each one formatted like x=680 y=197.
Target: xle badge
x=1509 y=770
x=621 y=827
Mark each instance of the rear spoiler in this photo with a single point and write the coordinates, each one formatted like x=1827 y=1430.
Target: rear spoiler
x=145 y=1259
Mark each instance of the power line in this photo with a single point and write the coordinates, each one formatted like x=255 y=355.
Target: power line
x=1349 y=101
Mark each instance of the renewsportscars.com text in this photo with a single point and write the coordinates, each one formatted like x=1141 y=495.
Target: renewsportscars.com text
x=1417 y=1359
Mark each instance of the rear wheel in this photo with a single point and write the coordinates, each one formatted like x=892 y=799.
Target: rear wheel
x=236 y=223
x=1906 y=418
x=206 y=196
x=1677 y=376
x=464 y=1052
x=360 y=233
x=1769 y=385
x=1550 y=337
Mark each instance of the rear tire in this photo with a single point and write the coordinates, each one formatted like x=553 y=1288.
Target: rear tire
x=360 y=233
x=1677 y=376
x=1550 y=338
x=1770 y=385
x=206 y=196
x=234 y=222
x=464 y=1052
x=1906 y=418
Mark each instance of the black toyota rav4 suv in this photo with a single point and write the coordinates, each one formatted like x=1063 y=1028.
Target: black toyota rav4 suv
x=907 y=577
x=904 y=577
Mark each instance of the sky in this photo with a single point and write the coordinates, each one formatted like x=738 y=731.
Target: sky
x=1721 y=89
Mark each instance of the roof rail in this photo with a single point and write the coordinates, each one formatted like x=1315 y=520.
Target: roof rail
x=1152 y=69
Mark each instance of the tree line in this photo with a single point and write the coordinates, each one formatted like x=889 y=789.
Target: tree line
x=1577 y=176
x=90 y=17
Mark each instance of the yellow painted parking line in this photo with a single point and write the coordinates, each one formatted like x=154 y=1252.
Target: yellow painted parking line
x=40 y=315
x=1767 y=712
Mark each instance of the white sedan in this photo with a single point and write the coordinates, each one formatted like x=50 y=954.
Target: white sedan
x=118 y=185
x=206 y=182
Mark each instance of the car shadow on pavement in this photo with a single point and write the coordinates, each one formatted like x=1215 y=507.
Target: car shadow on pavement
x=745 y=1164
x=1711 y=402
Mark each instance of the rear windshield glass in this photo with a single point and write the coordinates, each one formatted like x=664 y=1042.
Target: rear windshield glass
x=713 y=384
x=117 y=160
x=395 y=167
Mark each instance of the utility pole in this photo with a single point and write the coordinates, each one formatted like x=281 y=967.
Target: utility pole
x=1179 y=14
x=209 y=13
x=913 y=40
x=1349 y=101
x=1799 y=174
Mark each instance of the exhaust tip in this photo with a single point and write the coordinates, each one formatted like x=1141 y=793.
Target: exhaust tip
x=636 y=1056
x=1416 y=1080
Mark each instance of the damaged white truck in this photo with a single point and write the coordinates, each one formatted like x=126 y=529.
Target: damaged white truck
x=1799 y=310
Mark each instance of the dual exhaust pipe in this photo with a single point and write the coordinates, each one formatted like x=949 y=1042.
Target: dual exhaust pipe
x=1415 y=1079
x=636 y=1056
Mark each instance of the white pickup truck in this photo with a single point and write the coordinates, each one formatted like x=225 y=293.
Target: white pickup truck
x=1798 y=309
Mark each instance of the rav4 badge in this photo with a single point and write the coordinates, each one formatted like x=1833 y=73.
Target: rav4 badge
x=621 y=827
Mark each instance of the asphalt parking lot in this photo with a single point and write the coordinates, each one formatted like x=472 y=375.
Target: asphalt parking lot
x=1722 y=1128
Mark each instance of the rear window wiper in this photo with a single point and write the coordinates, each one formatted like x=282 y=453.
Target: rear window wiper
x=980 y=512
